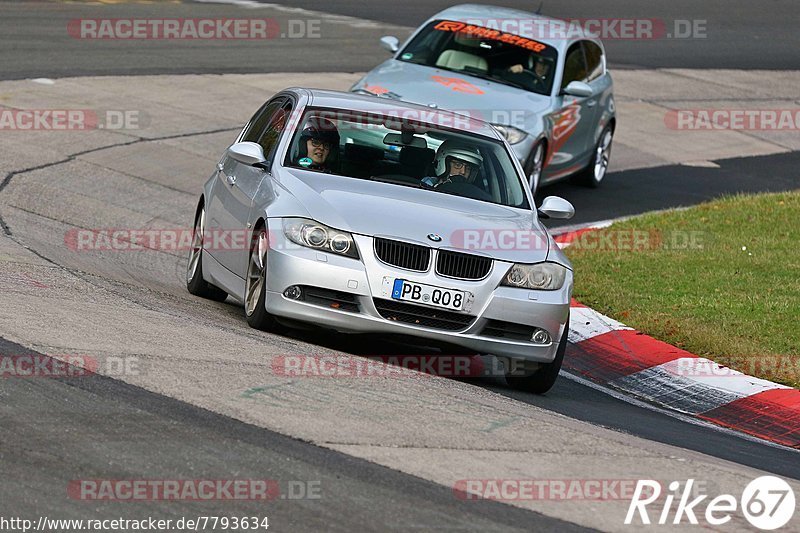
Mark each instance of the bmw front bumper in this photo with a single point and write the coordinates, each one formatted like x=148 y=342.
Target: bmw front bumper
x=291 y=265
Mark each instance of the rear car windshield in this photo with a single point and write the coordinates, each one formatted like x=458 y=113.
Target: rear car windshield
x=484 y=53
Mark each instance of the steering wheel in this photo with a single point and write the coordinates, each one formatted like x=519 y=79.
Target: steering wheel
x=535 y=79
x=461 y=187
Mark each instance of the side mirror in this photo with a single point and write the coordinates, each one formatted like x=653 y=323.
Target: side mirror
x=248 y=153
x=390 y=43
x=578 y=88
x=556 y=207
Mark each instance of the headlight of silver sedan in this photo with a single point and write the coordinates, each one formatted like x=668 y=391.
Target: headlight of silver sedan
x=513 y=135
x=541 y=276
x=312 y=234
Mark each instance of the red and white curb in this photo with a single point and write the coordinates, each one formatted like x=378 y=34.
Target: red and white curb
x=612 y=354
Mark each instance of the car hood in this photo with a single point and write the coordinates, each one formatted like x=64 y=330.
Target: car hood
x=487 y=100
x=374 y=208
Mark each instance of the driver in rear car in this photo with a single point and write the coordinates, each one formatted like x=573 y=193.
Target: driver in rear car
x=455 y=163
x=534 y=64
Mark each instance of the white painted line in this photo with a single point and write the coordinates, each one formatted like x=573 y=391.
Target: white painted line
x=44 y=81
x=586 y=323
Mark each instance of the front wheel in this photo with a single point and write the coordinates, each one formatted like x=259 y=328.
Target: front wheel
x=534 y=166
x=543 y=378
x=195 y=283
x=255 y=290
x=593 y=174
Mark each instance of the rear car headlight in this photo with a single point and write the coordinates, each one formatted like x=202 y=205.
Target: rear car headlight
x=541 y=276
x=312 y=234
x=512 y=134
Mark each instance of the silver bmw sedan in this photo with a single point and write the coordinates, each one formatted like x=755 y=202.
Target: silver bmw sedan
x=362 y=215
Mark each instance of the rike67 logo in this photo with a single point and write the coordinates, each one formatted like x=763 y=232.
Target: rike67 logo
x=768 y=503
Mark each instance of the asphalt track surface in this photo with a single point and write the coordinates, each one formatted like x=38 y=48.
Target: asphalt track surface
x=63 y=427
x=120 y=431
x=575 y=400
x=740 y=35
x=636 y=191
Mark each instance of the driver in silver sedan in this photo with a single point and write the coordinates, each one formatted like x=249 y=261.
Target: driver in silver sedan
x=455 y=163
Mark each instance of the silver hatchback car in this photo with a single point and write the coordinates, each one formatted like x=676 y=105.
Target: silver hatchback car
x=362 y=217
x=545 y=87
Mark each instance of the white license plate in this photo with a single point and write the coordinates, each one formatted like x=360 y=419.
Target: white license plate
x=409 y=291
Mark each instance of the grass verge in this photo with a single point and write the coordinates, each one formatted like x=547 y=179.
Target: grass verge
x=721 y=280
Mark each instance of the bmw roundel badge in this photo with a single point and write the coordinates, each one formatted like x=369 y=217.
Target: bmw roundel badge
x=435 y=237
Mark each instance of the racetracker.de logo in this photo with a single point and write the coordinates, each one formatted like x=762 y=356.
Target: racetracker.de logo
x=733 y=119
x=192 y=29
x=544 y=489
x=71 y=119
x=164 y=240
x=43 y=366
x=606 y=29
x=334 y=366
x=173 y=489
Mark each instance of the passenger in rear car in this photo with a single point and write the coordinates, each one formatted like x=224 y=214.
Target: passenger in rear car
x=319 y=145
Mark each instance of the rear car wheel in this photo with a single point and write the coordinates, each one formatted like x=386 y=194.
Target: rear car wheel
x=195 y=283
x=255 y=291
x=534 y=166
x=593 y=174
x=543 y=379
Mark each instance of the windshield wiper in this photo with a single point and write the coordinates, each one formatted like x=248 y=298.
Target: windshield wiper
x=395 y=181
x=504 y=81
x=487 y=77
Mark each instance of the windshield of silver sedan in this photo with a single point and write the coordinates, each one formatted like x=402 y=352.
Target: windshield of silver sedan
x=394 y=147
x=485 y=53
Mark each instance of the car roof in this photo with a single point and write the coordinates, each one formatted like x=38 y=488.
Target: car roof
x=388 y=106
x=472 y=13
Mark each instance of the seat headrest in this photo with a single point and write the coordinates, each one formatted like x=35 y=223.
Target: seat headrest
x=465 y=39
x=360 y=152
x=416 y=160
x=457 y=60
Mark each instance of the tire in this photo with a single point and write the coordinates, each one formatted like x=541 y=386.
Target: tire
x=592 y=176
x=543 y=379
x=255 y=289
x=195 y=283
x=534 y=165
